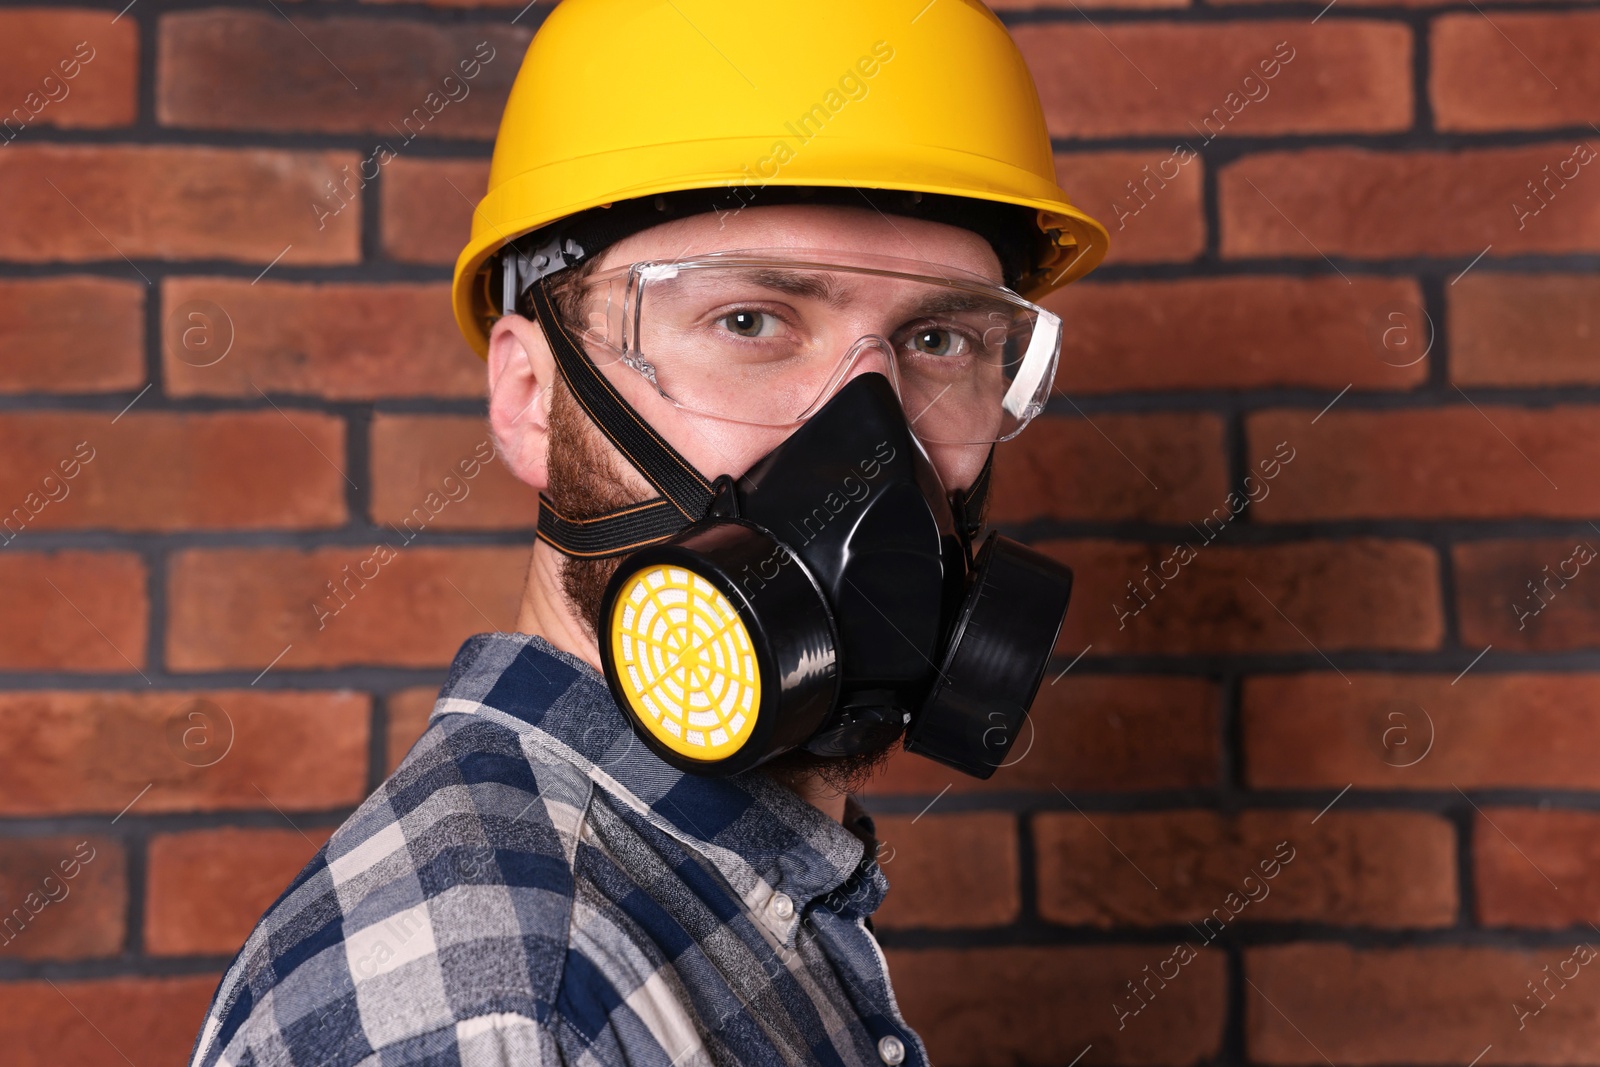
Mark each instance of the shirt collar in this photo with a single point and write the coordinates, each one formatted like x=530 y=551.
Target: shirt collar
x=765 y=840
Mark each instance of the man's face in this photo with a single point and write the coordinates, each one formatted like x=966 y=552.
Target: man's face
x=585 y=476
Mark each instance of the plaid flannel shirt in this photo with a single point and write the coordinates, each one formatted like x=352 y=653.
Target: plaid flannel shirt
x=533 y=886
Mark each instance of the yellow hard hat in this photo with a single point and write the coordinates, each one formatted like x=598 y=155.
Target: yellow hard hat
x=622 y=99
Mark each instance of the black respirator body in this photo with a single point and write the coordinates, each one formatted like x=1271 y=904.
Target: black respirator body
x=831 y=598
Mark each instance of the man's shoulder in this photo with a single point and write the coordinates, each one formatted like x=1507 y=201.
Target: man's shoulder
x=474 y=805
x=444 y=900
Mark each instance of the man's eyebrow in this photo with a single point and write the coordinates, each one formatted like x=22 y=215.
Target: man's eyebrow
x=799 y=283
x=819 y=286
x=952 y=300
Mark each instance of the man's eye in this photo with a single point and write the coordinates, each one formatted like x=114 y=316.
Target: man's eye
x=747 y=323
x=932 y=342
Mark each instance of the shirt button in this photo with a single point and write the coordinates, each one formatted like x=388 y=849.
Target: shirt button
x=782 y=907
x=891 y=1050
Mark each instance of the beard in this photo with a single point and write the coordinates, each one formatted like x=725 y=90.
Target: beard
x=584 y=484
x=841 y=774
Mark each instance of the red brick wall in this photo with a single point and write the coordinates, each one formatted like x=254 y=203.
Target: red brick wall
x=1317 y=787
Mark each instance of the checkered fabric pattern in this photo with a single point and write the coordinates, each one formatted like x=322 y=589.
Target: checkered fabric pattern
x=533 y=886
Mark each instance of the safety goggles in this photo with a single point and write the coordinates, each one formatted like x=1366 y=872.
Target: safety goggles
x=765 y=337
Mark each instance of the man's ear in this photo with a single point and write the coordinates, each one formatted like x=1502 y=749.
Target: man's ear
x=521 y=374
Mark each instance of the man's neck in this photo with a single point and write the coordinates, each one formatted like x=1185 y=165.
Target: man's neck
x=811 y=789
x=544 y=612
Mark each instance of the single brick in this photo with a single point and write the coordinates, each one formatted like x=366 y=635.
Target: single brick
x=408 y=718
x=102 y=202
x=1468 y=461
x=194 y=751
x=1094 y=733
x=66 y=67
x=74 y=611
x=1160 y=219
x=928 y=890
x=1233 y=333
x=1097 y=468
x=428 y=205
x=1539 y=595
x=1520 y=70
x=357 y=604
x=164 y=471
x=1525 y=329
x=1421 y=731
x=252 y=70
x=1307 y=597
x=1395 y=204
x=62 y=898
x=336 y=340
x=1383 y=869
x=71 y=335
x=1536 y=868
x=83 y=1021
x=442 y=472
x=1258 y=78
x=207 y=888
x=1315 y=1003
x=999 y=1006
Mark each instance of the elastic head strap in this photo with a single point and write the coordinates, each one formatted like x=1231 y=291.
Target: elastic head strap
x=685 y=495
x=616 y=533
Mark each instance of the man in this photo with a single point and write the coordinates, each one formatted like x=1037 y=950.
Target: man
x=746 y=284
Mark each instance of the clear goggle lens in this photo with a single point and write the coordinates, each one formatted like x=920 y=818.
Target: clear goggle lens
x=767 y=337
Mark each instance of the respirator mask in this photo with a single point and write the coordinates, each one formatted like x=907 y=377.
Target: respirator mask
x=835 y=596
